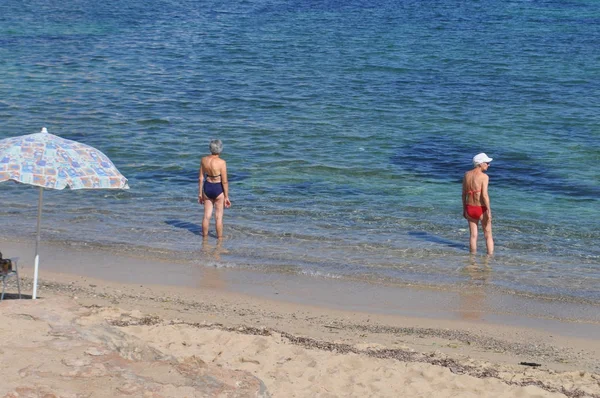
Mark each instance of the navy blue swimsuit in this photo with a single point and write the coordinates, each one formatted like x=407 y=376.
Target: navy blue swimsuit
x=212 y=189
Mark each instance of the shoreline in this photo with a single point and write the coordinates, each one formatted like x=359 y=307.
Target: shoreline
x=475 y=273
x=472 y=301
x=475 y=344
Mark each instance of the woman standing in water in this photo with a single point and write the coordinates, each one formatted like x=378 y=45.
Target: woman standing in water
x=213 y=187
x=476 y=202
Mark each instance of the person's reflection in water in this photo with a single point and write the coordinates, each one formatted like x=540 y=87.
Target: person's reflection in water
x=473 y=295
x=211 y=275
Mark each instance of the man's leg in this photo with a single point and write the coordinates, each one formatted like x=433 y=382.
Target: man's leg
x=473 y=236
x=486 y=224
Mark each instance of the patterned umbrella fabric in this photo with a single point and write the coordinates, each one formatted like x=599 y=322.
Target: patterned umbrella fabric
x=48 y=161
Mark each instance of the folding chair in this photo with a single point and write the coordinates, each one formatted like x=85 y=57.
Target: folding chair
x=8 y=274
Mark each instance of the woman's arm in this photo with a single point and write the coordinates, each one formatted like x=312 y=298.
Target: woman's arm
x=200 y=184
x=225 y=183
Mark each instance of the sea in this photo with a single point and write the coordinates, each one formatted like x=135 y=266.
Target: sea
x=347 y=127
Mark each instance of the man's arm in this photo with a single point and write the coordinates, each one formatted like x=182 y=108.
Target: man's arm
x=485 y=198
x=464 y=197
x=464 y=193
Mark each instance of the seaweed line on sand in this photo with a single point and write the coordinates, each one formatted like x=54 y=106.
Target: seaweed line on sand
x=399 y=354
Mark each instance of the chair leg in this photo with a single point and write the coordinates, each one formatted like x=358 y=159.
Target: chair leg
x=19 y=286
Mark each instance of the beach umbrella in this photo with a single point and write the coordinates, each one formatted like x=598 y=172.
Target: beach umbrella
x=48 y=161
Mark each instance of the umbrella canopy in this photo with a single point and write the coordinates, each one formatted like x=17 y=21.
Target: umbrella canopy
x=48 y=161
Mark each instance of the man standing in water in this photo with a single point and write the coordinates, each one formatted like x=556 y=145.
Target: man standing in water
x=476 y=202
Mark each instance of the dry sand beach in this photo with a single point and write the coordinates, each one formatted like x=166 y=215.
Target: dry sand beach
x=100 y=337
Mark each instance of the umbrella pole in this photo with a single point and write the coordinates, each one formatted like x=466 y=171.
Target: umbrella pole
x=37 y=245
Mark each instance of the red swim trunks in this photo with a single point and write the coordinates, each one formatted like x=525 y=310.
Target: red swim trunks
x=476 y=211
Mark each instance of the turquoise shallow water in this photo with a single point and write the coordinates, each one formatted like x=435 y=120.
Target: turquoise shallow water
x=347 y=128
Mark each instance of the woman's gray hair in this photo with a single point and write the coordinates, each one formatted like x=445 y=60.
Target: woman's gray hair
x=216 y=147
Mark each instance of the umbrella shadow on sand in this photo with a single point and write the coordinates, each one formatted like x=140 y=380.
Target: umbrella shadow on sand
x=15 y=296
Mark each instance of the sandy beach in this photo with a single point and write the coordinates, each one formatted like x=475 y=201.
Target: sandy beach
x=97 y=337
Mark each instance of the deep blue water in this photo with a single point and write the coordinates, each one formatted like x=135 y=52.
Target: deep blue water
x=347 y=128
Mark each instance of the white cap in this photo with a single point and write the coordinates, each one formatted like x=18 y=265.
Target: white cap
x=481 y=158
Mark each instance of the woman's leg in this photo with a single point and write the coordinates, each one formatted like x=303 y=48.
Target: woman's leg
x=208 y=209
x=473 y=235
x=219 y=206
